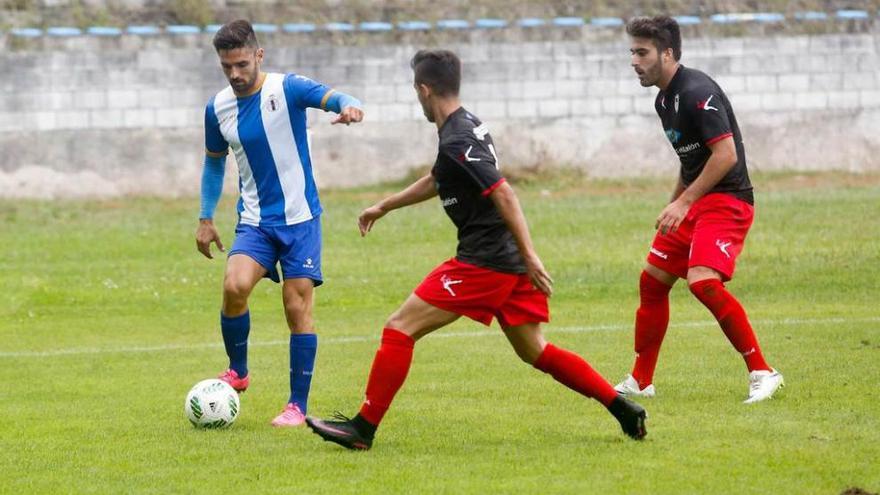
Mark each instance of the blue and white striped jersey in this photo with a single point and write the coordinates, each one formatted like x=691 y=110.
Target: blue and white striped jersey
x=267 y=133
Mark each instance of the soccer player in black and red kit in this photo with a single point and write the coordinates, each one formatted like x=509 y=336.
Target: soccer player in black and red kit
x=496 y=272
x=701 y=231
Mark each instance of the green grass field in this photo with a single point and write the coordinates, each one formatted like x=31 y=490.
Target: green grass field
x=109 y=315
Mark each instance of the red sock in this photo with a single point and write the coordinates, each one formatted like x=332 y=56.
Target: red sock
x=652 y=319
x=733 y=320
x=388 y=373
x=572 y=371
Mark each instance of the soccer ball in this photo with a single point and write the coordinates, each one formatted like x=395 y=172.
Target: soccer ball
x=211 y=404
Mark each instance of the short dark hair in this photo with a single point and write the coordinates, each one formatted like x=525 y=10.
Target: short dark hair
x=236 y=34
x=662 y=30
x=438 y=69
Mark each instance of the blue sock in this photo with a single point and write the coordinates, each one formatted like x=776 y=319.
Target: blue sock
x=303 y=348
x=235 y=337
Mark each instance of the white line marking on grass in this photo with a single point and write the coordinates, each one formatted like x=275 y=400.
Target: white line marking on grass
x=440 y=334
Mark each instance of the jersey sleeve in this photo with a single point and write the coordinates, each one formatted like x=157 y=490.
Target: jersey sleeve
x=306 y=93
x=215 y=143
x=710 y=116
x=477 y=158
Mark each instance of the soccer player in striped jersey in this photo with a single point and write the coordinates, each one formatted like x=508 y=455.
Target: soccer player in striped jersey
x=262 y=118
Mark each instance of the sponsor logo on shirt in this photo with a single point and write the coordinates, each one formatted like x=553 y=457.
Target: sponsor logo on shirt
x=468 y=157
x=450 y=202
x=687 y=148
x=704 y=105
x=673 y=135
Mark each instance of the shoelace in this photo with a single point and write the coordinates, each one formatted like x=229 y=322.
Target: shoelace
x=340 y=417
x=292 y=410
x=754 y=384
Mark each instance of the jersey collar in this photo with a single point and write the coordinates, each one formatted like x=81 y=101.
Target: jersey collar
x=676 y=80
x=449 y=119
x=257 y=87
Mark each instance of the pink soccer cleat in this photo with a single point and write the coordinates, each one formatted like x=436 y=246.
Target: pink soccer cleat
x=230 y=376
x=291 y=416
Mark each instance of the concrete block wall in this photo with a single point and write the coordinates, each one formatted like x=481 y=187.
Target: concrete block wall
x=116 y=116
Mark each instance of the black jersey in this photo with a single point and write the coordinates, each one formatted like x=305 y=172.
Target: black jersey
x=695 y=113
x=465 y=173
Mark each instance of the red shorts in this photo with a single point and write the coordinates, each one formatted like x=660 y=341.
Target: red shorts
x=481 y=294
x=711 y=235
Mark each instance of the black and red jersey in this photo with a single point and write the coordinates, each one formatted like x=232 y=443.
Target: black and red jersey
x=465 y=173
x=695 y=113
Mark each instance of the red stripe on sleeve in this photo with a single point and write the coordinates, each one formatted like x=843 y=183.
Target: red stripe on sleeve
x=494 y=186
x=719 y=138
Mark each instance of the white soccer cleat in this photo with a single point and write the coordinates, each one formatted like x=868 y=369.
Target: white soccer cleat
x=763 y=384
x=630 y=388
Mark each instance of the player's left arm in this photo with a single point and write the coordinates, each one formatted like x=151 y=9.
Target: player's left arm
x=308 y=93
x=710 y=117
x=505 y=201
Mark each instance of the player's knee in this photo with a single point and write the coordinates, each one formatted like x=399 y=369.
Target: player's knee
x=653 y=290
x=705 y=289
x=529 y=351
x=699 y=273
x=235 y=290
x=297 y=308
x=528 y=356
x=395 y=321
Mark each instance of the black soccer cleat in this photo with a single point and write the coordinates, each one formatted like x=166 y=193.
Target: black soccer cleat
x=631 y=417
x=344 y=432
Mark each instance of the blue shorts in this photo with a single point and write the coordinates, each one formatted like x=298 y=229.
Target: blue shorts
x=297 y=247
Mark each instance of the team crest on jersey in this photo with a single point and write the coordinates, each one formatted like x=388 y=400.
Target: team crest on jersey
x=272 y=103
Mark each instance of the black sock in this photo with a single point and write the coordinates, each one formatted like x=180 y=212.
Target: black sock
x=618 y=406
x=363 y=426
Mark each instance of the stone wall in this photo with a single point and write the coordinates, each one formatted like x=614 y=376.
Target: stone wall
x=123 y=115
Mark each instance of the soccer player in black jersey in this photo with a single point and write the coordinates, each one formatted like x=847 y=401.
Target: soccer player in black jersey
x=496 y=272
x=702 y=229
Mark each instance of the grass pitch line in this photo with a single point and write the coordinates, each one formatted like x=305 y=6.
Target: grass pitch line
x=439 y=334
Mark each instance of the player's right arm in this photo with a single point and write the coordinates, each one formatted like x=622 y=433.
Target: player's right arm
x=679 y=188
x=706 y=109
x=216 y=148
x=420 y=190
